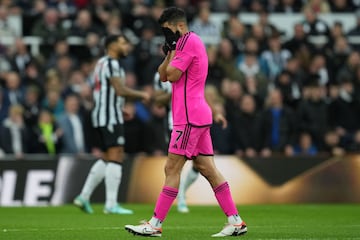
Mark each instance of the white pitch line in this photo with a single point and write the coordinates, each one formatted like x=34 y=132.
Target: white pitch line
x=4 y=230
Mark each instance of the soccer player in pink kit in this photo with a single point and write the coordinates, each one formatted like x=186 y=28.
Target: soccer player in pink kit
x=185 y=66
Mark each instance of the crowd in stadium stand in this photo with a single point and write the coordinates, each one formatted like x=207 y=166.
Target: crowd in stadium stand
x=280 y=95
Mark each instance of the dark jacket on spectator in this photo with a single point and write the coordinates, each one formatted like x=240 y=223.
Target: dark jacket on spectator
x=287 y=129
x=6 y=139
x=244 y=130
x=313 y=118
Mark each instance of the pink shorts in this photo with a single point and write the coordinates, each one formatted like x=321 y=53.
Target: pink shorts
x=191 y=141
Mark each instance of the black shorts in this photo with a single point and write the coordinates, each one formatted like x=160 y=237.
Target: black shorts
x=108 y=137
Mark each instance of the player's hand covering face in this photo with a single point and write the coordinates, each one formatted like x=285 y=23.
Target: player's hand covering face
x=171 y=38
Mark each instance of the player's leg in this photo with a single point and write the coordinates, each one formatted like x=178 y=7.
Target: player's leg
x=236 y=226
x=173 y=167
x=113 y=176
x=205 y=164
x=185 y=182
x=174 y=164
x=95 y=176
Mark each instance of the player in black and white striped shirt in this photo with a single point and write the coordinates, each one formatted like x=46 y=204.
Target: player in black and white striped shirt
x=109 y=92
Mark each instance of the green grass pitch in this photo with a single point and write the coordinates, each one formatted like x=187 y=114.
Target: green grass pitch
x=310 y=221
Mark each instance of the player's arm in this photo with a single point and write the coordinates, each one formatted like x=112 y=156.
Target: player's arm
x=162 y=69
x=124 y=91
x=218 y=116
x=168 y=72
x=173 y=74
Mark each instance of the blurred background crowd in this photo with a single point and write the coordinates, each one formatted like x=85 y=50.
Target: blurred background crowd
x=291 y=94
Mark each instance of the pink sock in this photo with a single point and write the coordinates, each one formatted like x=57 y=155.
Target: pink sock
x=223 y=196
x=164 y=202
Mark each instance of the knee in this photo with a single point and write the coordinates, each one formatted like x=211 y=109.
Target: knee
x=171 y=170
x=206 y=171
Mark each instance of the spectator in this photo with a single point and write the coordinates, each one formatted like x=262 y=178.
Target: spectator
x=3 y=107
x=355 y=143
x=298 y=40
x=277 y=127
x=336 y=32
x=15 y=137
x=33 y=77
x=156 y=131
x=289 y=88
x=189 y=8
x=83 y=25
x=215 y=72
x=250 y=66
x=6 y=30
x=49 y=28
x=46 y=134
x=21 y=58
x=33 y=11
x=113 y=25
x=253 y=79
x=231 y=6
x=318 y=68
x=288 y=6
x=344 y=111
x=64 y=67
x=275 y=57
x=14 y=92
x=227 y=61
x=146 y=54
x=252 y=47
x=258 y=33
x=313 y=113
x=332 y=144
x=134 y=130
x=232 y=92
x=5 y=65
x=347 y=71
x=116 y=25
x=53 y=102
x=221 y=137
x=93 y=46
x=313 y=25
x=297 y=75
x=305 y=146
x=318 y=6
x=100 y=11
x=341 y=6
x=53 y=81
x=71 y=123
x=268 y=28
x=357 y=85
x=236 y=32
x=75 y=83
x=205 y=27
x=356 y=30
x=61 y=48
x=66 y=8
x=31 y=106
x=244 y=128
x=258 y=6
x=338 y=55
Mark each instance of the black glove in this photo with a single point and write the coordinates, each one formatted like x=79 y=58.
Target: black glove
x=165 y=48
x=170 y=37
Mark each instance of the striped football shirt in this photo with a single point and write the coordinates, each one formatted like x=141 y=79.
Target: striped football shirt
x=108 y=106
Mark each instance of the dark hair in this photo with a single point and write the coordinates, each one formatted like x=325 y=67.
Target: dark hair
x=113 y=38
x=172 y=15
